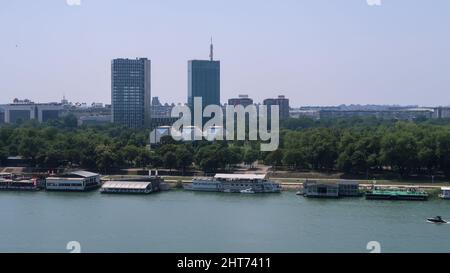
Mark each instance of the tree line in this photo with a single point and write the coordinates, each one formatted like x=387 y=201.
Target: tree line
x=351 y=146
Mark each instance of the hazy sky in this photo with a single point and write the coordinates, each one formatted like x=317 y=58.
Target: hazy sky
x=316 y=52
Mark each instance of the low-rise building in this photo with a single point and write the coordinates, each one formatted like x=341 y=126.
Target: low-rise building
x=25 y=110
x=300 y=113
x=162 y=121
x=162 y=111
x=2 y=115
x=441 y=112
x=74 y=181
x=94 y=120
x=402 y=114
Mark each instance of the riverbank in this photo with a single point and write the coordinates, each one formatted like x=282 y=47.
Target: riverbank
x=295 y=184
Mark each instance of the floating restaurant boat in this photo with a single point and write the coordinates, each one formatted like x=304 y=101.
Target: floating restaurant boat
x=320 y=189
x=235 y=183
x=19 y=185
x=410 y=194
x=73 y=181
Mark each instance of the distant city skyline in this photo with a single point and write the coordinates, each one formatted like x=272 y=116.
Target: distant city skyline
x=313 y=52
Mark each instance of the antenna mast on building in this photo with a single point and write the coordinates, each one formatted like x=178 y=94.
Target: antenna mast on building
x=211 y=50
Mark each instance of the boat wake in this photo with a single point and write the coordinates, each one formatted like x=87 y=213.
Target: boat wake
x=431 y=222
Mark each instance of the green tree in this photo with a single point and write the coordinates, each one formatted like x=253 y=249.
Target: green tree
x=130 y=154
x=294 y=159
x=105 y=158
x=399 y=150
x=170 y=160
x=443 y=151
x=3 y=155
x=53 y=158
x=184 y=158
x=274 y=158
x=70 y=121
x=250 y=157
x=144 y=157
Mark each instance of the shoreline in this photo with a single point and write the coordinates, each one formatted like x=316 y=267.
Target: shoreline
x=295 y=186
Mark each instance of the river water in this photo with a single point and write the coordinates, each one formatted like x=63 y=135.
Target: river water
x=180 y=221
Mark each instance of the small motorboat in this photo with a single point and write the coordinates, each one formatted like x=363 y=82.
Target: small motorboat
x=248 y=191
x=437 y=220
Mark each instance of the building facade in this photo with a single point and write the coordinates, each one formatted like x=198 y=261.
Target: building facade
x=204 y=82
x=25 y=110
x=406 y=114
x=243 y=100
x=98 y=120
x=131 y=92
x=283 y=104
x=441 y=112
x=2 y=115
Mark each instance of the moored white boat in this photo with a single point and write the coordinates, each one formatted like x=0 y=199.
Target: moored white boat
x=445 y=193
x=235 y=183
x=248 y=191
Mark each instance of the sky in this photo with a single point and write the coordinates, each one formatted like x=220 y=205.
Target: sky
x=316 y=52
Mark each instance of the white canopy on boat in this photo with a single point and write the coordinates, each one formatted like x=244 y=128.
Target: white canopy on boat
x=240 y=176
x=125 y=185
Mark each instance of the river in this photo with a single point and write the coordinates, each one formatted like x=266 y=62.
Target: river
x=180 y=221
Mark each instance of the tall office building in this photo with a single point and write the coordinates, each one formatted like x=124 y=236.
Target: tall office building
x=204 y=81
x=131 y=92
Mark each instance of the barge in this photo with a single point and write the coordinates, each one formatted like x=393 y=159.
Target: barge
x=134 y=185
x=409 y=194
x=127 y=187
x=319 y=189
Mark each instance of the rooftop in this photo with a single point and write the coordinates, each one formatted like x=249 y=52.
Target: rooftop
x=76 y=174
x=126 y=185
x=240 y=176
